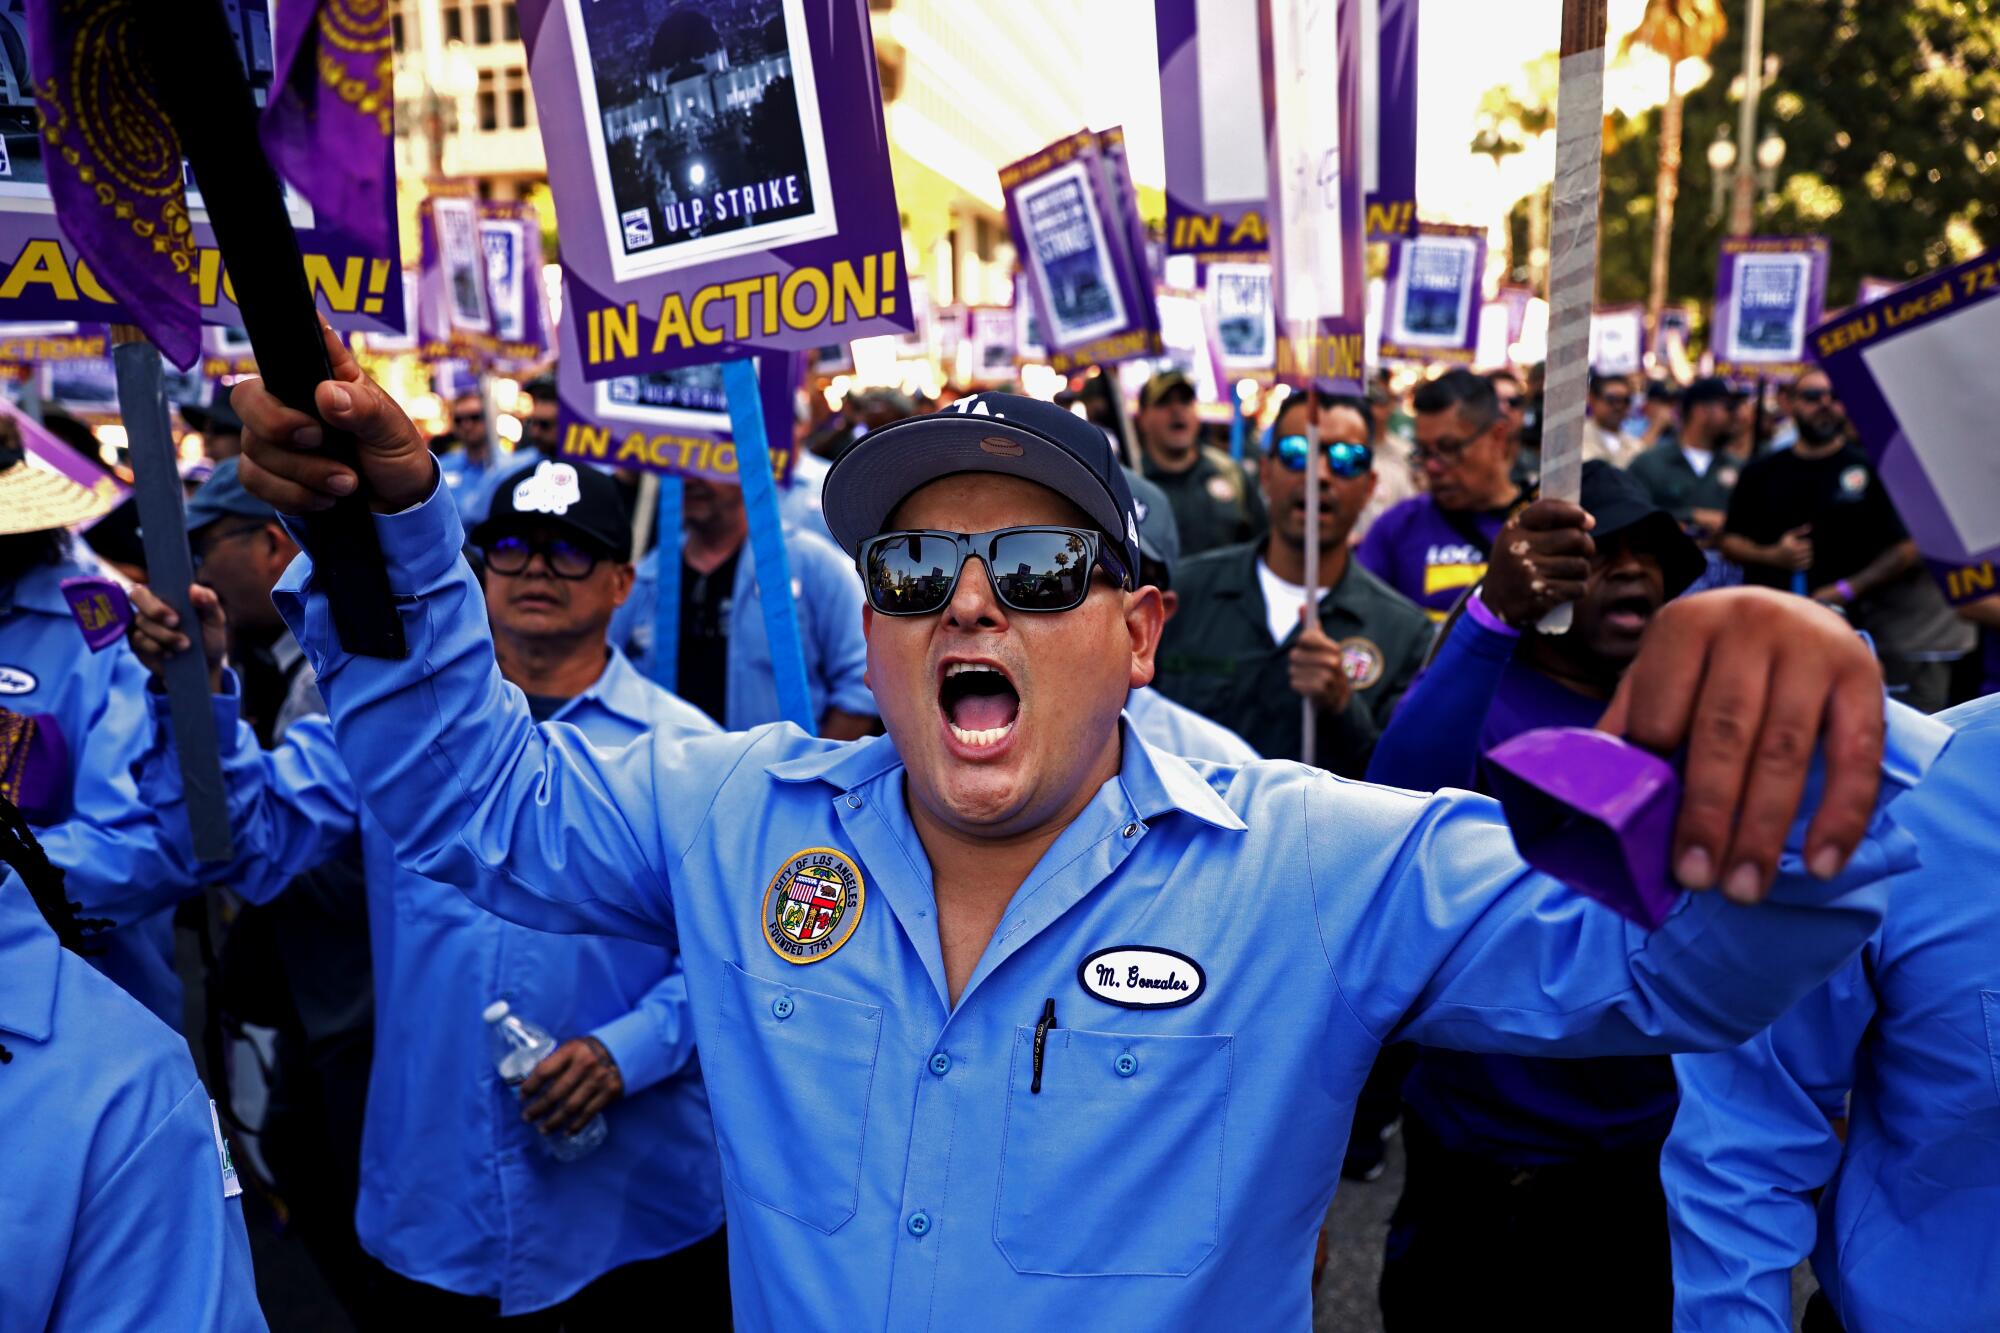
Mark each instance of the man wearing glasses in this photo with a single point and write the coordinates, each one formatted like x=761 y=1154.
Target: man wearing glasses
x=468 y=457
x=1239 y=650
x=1006 y=1013
x=1434 y=546
x=1610 y=402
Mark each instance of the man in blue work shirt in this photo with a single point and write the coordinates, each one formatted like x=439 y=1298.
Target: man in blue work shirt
x=1899 y=1212
x=1527 y=1174
x=121 y=1205
x=1006 y=1010
x=723 y=665
x=456 y=1196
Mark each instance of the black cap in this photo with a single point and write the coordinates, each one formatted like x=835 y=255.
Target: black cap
x=561 y=495
x=1162 y=384
x=1713 y=389
x=987 y=432
x=1619 y=504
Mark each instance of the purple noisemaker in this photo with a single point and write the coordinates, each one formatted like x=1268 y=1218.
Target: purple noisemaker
x=101 y=609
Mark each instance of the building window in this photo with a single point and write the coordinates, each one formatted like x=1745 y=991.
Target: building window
x=489 y=104
x=510 y=21
x=517 y=99
x=454 y=23
x=482 y=25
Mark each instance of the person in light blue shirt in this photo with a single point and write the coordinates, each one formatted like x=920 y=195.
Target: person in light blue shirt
x=1900 y=1215
x=456 y=1195
x=471 y=462
x=1007 y=1012
x=724 y=664
x=120 y=1207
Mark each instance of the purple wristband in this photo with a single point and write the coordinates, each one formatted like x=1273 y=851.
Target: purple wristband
x=1845 y=589
x=1476 y=607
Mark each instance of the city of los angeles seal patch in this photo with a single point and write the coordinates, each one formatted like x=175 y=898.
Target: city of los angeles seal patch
x=812 y=905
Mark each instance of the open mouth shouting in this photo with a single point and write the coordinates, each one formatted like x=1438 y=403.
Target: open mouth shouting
x=1630 y=613
x=980 y=706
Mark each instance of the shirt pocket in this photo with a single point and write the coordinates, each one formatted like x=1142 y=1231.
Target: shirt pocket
x=1138 y=1117
x=1990 y=1001
x=792 y=1083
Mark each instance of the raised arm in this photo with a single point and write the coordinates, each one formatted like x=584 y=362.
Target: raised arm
x=1432 y=741
x=1753 y=1142
x=532 y=822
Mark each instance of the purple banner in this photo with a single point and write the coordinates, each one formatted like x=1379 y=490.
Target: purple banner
x=329 y=121
x=1769 y=290
x=1319 y=291
x=511 y=234
x=1914 y=371
x=1210 y=93
x=1436 y=280
x=724 y=174
x=454 y=281
x=1088 y=289
x=101 y=608
x=674 y=422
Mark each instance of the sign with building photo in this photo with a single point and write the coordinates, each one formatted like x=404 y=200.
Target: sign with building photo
x=1769 y=290
x=723 y=175
x=455 y=305
x=1914 y=369
x=1618 y=340
x=44 y=277
x=1239 y=300
x=511 y=236
x=1436 y=283
x=1029 y=345
x=990 y=334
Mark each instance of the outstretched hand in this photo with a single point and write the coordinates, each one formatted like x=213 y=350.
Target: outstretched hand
x=1752 y=681
x=281 y=464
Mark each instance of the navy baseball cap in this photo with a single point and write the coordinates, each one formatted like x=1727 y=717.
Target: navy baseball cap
x=222 y=496
x=1159 y=534
x=1003 y=433
x=561 y=494
x=1621 y=505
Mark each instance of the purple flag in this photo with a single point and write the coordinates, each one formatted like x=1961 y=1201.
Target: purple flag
x=101 y=609
x=114 y=165
x=331 y=112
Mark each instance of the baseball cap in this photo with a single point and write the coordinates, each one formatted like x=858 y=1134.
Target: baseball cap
x=1001 y=433
x=1711 y=389
x=581 y=500
x=1160 y=385
x=223 y=496
x=1159 y=534
x=1619 y=504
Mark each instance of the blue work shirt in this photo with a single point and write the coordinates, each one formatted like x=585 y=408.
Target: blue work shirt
x=455 y=1190
x=1521 y=1110
x=827 y=592
x=887 y=1160
x=1178 y=729
x=112 y=1206
x=471 y=484
x=1905 y=1235
x=99 y=702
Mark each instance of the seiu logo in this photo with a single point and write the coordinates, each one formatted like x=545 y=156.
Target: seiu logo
x=1454 y=555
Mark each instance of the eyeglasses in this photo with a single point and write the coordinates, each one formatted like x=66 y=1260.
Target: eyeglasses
x=915 y=573
x=565 y=559
x=1812 y=397
x=541 y=424
x=462 y=417
x=1347 y=458
x=1444 y=453
x=1621 y=401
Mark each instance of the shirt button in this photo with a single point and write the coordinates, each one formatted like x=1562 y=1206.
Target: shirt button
x=853 y=801
x=919 y=1224
x=940 y=1064
x=1131 y=830
x=1127 y=1064
x=782 y=1006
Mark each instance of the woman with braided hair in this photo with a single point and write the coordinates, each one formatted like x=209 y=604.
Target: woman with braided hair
x=118 y=1204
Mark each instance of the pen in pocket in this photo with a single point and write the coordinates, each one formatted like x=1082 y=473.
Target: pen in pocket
x=1048 y=1021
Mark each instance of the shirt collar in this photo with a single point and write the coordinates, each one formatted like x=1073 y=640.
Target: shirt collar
x=28 y=976
x=619 y=690
x=40 y=588
x=1156 y=782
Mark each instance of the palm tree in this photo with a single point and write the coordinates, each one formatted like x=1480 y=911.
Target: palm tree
x=1679 y=30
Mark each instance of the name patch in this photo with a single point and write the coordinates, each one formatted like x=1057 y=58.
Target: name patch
x=812 y=905
x=16 y=680
x=1136 y=976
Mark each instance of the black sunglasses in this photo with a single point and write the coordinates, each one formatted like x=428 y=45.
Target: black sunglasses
x=565 y=559
x=1813 y=395
x=1348 y=458
x=914 y=573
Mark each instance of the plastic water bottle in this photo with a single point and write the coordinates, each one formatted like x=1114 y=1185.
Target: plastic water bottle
x=518 y=1045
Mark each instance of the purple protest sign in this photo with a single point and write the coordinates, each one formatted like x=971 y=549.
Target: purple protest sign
x=1874 y=289
x=1318 y=288
x=722 y=174
x=1435 y=282
x=1086 y=286
x=176 y=278
x=1914 y=371
x=1238 y=295
x=989 y=331
x=1618 y=339
x=101 y=608
x=329 y=121
x=511 y=235
x=1210 y=93
x=1769 y=290
x=454 y=280
x=1673 y=333
x=674 y=422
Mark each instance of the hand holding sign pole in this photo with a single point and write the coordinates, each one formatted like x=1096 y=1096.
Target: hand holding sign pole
x=1572 y=257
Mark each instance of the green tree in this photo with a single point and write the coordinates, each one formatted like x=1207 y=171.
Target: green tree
x=1677 y=30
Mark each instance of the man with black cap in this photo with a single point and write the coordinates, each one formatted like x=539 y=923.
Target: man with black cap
x=1214 y=503
x=472 y=1211
x=1006 y=1010
x=1690 y=474
x=1535 y=1176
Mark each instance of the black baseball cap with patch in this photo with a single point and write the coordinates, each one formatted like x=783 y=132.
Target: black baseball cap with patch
x=1621 y=505
x=563 y=495
x=1002 y=433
